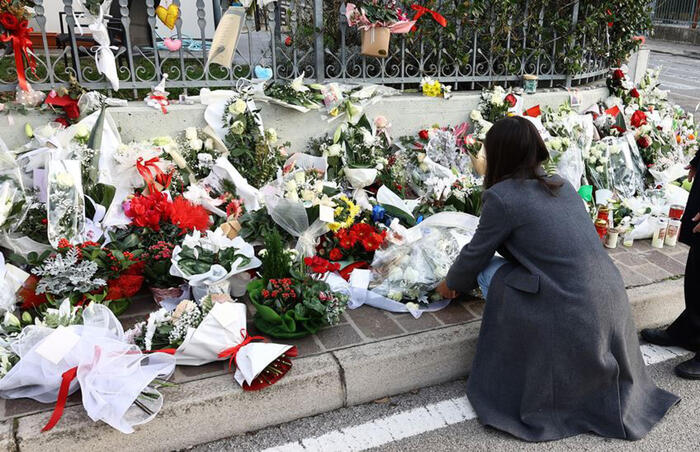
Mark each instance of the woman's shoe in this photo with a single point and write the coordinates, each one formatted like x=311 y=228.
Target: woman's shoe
x=690 y=369
x=659 y=337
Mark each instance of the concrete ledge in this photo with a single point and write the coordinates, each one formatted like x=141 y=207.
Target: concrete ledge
x=403 y=364
x=677 y=34
x=213 y=408
x=407 y=113
x=657 y=304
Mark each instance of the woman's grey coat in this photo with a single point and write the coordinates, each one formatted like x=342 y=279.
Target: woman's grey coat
x=558 y=353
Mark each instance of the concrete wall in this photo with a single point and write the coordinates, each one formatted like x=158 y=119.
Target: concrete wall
x=407 y=113
x=677 y=34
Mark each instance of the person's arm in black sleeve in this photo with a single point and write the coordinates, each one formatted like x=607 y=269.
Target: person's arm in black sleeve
x=494 y=227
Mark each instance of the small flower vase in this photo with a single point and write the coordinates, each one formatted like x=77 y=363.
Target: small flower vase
x=175 y=294
x=375 y=42
x=530 y=83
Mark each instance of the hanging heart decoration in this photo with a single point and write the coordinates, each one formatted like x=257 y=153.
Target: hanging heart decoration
x=172 y=44
x=168 y=16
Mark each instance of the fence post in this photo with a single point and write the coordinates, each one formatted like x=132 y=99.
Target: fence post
x=318 y=33
x=572 y=39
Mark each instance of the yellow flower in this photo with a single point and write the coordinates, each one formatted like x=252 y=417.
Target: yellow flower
x=345 y=213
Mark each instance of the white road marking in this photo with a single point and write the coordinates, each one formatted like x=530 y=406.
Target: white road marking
x=420 y=420
x=654 y=354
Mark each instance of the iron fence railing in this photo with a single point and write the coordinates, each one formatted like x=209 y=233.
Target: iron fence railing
x=295 y=37
x=685 y=13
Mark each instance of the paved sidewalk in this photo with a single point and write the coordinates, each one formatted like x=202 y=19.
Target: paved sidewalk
x=674 y=48
x=640 y=265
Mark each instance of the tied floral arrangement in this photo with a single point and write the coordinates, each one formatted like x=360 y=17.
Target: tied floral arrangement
x=378 y=20
x=252 y=149
x=213 y=263
x=295 y=94
x=215 y=330
x=82 y=273
x=364 y=150
x=291 y=299
x=195 y=155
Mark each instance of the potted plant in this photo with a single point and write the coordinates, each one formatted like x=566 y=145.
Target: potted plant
x=156 y=271
x=377 y=20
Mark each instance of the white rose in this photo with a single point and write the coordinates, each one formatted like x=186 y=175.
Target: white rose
x=475 y=115
x=307 y=195
x=290 y=185
x=411 y=306
x=208 y=144
x=81 y=131
x=191 y=133
x=334 y=150
x=64 y=179
x=318 y=186
x=600 y=168
x=497 y=98
x=424 y=167
x=367 y=137
x=300 y=177
x=380 y=166
x=196 y=144
x=271 y=135
x=238 y=107
x=603 y=160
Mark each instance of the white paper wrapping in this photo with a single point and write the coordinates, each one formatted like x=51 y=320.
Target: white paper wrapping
x=104 y=55
x=224 y=170
x=11 y=279
x=111 y=373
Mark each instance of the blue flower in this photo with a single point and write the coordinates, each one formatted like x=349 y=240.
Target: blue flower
x=378 y=213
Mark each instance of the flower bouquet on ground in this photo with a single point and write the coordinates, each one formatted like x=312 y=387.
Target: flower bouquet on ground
x=82 y=273
x=364 y=151
x=194 y=156
x=294 y=94
x=252 y=149
x=378 y=20
x=156 y=218
x=433 y=88
x=291 y=299
x=214 y=331
x=156 y=270
x=497 y=103
x=86 y=350
x=213 y=263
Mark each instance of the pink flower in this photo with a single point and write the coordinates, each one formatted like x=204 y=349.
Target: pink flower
x=380 y=122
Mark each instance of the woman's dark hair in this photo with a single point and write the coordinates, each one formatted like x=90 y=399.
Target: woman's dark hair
x=515 y=150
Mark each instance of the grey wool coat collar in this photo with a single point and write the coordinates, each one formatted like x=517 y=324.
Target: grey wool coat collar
x=558 y=353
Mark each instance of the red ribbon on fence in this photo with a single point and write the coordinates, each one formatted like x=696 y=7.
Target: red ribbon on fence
x=68 y=377
x=421 y=10
x=233 y=351
x=144 y=169
x=18 y=31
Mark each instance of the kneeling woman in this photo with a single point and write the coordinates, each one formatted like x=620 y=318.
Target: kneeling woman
x=558 y=353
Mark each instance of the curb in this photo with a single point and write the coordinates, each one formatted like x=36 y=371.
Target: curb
x=214 y=408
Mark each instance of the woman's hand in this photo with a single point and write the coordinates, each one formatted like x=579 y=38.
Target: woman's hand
x=447 y=293
x=696 y=229
x=692 y=171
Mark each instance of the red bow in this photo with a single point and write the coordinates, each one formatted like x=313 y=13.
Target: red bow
x=232 y=352
x=18 y=32
x=145 y=172
x=68 y=377
x=162 y=101
x=533 y=111
x=420 y=10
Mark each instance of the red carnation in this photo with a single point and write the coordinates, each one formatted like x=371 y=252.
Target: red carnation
x=125 y=286
x=188 y=216
x=634 y=93
x=639 y=118
x=423 y=134
x=336 y=254
x=511 y=99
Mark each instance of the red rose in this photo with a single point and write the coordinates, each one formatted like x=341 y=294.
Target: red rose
x=8 y=21
x=336 y=254
x=644 y=142
x=511 y=99
x=618 y=74
x=423 y=134
x=288 y=41
x=639 y=118
x=634 y=93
